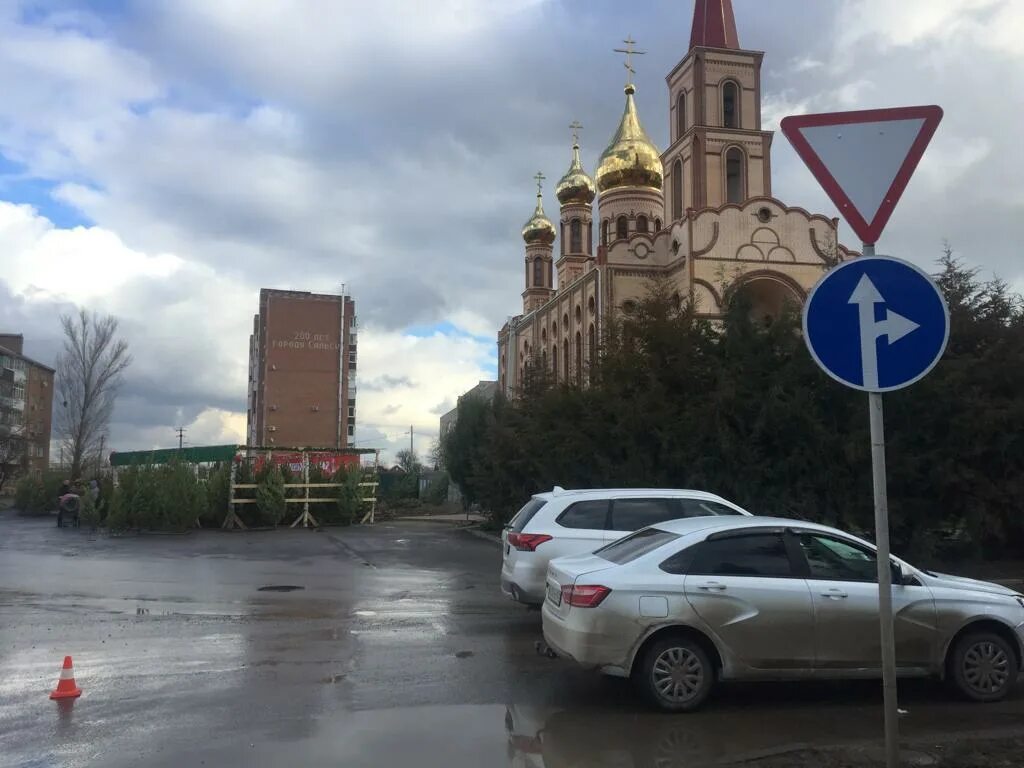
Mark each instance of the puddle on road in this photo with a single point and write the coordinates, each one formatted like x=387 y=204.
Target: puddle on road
x=280 y=588
x=538 y=737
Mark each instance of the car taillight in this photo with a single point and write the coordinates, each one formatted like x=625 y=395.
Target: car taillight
x=585 y=596
x=527 y=542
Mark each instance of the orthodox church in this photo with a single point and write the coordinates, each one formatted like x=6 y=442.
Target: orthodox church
x=700 y=213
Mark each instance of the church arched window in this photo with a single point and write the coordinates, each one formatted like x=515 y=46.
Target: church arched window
x=538 y=272
x=565 y=359
x=621 y=228
x=591 y=342
x=681 y=114
x=677 y=189
x=730 y=104
x=575 y=236
x=554 y=359
x=657 y=225
x=604 y=232
x=734 y=172
x=579 y=357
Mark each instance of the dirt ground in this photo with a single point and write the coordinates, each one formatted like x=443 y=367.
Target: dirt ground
x=1005 y=751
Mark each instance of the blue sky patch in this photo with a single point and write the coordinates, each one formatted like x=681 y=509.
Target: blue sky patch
x=17 y=187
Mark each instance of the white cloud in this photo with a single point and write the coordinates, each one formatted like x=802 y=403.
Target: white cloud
x=425 y=371
x=914 y=22
x=216 y=148
x=188 y=326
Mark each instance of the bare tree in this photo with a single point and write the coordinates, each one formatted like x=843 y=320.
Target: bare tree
x=13 y=457
x=89 y=371
x=408 y=460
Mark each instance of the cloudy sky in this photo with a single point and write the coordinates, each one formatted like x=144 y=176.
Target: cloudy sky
x=163 y=161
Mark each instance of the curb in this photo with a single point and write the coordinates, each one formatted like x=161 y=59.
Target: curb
x=483 y=535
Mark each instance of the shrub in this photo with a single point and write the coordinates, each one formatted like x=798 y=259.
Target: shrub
x=437 y=491
x=89 y=514
x=218 y=493
x=180 y=499
x=37 y=495
x=167 y=497
x=270 y=497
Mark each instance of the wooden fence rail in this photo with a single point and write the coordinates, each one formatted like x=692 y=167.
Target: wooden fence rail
x=306 y=519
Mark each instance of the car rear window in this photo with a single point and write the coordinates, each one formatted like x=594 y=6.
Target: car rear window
x=634 y=514
x=636 y=545
x=761 y=555
x=525 y=515
x=591 y=514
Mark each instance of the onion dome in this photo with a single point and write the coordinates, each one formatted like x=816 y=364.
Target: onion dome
x=576 y=186
x=631 y=160
x=539 y=228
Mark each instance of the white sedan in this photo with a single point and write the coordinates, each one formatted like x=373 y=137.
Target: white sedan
x=686 y=603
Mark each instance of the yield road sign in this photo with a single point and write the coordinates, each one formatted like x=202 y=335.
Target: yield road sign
x=863 y=160
x=876 y=323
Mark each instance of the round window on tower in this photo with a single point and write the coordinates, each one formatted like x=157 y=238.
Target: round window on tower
x=764 y=215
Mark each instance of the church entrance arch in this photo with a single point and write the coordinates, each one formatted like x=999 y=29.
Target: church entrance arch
x=770 y=294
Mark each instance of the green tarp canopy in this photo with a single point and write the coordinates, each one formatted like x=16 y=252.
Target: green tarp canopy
x=207 y=454
x=200 y=454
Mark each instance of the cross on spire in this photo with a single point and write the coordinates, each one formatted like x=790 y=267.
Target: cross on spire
x=630 y=51
x=540 y=179
x=576 y=128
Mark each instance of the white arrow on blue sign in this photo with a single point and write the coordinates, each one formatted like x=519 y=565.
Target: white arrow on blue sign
x=876 y=323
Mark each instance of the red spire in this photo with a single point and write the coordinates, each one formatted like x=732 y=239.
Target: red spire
x=714 y=25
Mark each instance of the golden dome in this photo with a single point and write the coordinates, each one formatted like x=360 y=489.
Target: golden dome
x=539 y=228
x=575 y=186
x=631 y=160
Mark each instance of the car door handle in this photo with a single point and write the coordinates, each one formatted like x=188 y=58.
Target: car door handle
x=712 y=586
x=835 y=594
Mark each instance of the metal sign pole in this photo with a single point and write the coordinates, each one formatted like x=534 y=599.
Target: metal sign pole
x=888 y=636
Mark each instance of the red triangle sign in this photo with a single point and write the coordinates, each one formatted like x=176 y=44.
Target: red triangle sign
x=863 y=160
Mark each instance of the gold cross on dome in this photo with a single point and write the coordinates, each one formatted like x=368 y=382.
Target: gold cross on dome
x=630 y=51
x=540 y=178
x=576 y=128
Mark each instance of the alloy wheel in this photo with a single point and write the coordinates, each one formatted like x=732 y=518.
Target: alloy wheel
x=986 y=667
x=677 y=675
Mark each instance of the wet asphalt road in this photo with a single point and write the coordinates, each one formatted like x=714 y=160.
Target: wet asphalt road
x=399 y=650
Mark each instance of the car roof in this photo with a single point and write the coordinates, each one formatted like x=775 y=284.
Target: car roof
x=559 y=493
x=688 y=525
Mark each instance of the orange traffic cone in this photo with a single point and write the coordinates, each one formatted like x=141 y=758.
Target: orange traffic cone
x=66 y=688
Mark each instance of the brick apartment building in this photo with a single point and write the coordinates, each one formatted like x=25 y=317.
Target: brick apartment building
x=302 y=364
x=26 y=403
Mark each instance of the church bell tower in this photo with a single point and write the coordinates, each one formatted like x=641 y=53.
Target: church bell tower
x=718 y=152
x=538 y=235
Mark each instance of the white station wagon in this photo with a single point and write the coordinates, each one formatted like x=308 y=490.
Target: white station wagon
x=565 y=522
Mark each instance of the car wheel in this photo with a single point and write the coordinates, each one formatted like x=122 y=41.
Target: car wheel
x=677 y=675
x=983 y=667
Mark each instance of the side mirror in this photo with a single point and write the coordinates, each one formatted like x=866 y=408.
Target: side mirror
x=897 y=573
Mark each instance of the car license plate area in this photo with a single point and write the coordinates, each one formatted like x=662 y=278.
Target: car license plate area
x=554 y=594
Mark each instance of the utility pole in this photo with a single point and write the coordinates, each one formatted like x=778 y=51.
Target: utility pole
x=181 y=436
x=411 y=451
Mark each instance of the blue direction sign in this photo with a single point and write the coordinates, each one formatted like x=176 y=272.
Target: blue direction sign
x=876 y=323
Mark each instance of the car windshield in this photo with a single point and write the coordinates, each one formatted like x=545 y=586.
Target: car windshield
x=635 y=545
